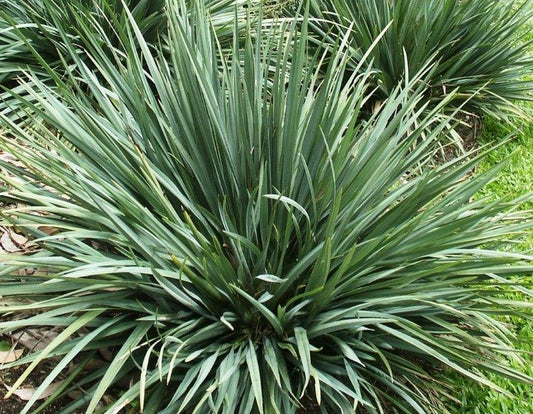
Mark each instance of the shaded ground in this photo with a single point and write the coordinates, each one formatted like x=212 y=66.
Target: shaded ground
x=15 y=405
x=468 y=129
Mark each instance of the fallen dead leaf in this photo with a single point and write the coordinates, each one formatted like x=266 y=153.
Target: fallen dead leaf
x=106 y=353
x=94 y=364
x=6 y=156
x=8 y=244
x=27 y=393
x=34 y=339
x=18 y=239
x=49 y=230
x=9 y=158
x=75 y=395
x=10 y=356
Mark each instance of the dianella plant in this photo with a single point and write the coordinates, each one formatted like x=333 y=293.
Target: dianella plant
x=37 y=33
x=239 y=237
x=480 y=48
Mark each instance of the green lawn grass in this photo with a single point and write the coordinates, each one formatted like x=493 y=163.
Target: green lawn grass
x=517 y=153
x=516 y=179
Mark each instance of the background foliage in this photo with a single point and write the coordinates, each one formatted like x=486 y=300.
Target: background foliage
x=478 y=47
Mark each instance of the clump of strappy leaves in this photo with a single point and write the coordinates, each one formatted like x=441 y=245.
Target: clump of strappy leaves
x=240 y=239
x=480 y=48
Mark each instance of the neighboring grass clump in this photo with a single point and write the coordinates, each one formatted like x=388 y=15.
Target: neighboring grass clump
x=479 y=47
x=32 y=33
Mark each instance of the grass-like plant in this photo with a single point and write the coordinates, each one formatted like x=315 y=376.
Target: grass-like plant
x=30 y=39
x=239 y=239
x=29 y=36
x=480 y=47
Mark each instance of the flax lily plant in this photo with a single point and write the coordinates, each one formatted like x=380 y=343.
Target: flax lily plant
x=481 y=48
x=239 y=238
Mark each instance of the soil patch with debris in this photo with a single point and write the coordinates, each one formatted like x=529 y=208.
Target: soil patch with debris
x=10 y=350
x=468 y=129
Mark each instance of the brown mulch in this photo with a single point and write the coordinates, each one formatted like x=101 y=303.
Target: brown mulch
x=25 y=342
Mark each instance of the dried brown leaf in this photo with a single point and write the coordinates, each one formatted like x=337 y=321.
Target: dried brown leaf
x=8 y=244
x=27 y=393
x=106 y=353
x=10 y=356
x=49 y=230
x=34 y=339
x=18 y=239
